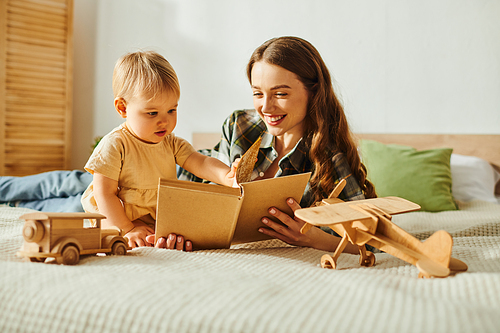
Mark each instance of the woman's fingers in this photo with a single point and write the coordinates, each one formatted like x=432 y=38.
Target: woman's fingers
x=171 y=241
x=278 y=230
x=161 y=243
x=294 y=205
x=175 y=242
x=180 y=243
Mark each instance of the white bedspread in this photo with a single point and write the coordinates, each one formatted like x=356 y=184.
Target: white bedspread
x=260 y=287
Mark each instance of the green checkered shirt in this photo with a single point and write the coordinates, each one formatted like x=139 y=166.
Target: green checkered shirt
x=242 y=128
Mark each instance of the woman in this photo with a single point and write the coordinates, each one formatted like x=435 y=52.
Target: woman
x=303 y=128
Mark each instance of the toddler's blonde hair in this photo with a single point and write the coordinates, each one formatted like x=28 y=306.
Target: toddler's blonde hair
x=144 y=73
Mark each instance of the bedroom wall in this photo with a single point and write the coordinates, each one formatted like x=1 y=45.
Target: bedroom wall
x=400 y=66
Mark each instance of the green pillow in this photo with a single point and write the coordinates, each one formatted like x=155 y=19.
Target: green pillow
x=423 y=177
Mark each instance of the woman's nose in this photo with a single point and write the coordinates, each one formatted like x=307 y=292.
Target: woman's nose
x=267 y=104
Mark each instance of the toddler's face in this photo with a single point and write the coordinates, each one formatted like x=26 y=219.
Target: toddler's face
x=151 y=120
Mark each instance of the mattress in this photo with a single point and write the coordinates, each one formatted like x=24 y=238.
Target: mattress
x=265 y=286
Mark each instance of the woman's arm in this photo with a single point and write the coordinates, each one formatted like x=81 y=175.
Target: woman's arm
x=290 y=233
x=105 y=194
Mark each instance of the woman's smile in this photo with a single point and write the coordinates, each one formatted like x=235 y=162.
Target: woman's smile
x=274 y=120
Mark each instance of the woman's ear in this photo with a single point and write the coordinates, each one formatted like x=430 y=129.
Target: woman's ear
x=121 y=107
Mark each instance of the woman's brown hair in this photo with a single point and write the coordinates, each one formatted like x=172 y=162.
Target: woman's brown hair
x=326 y=128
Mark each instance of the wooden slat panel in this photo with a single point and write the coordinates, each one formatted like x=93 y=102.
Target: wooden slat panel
x=47 y=70
x=27 y=50
x=48 y=110
x=34 y=75
x=29 y=99
x=47 y=7
x=40 y=125
x=38 y=21
x=37 y=34
x=35 y=41
x=32 y=86
x=31 y=26
x=35 y=115
x=35 y=14
x=53 y=85
x=69 y=83
x=41 y=96
x=36 y=60
x=23 y=132
x=3 y=56
x=37 y=143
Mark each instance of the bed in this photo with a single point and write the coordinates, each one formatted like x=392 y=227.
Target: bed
x=267 y=286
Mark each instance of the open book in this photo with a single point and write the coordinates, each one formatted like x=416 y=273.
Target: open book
x=215 y=216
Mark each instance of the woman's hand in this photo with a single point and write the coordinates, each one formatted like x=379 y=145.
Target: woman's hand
x=290 y=232
x=172 y=242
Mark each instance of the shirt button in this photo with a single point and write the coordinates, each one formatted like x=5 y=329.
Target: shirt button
x=261 y=174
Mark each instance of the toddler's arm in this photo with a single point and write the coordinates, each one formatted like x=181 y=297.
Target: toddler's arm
x=105 y=193
x=211 y=169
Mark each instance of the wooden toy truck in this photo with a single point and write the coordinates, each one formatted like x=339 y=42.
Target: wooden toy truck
x=64 y=237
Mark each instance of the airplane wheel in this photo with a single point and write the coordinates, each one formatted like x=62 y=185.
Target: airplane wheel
x=328 y=262
x=369 y=261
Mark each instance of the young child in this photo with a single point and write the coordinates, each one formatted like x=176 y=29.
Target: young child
x=128 y=162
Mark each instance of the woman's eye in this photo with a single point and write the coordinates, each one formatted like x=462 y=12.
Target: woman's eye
x=281 y=94
x=257 y=94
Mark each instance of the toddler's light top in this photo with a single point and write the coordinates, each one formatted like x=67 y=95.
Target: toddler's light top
x=137 y=166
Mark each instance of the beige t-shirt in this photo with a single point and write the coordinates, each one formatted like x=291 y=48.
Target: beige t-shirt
x=137 y=166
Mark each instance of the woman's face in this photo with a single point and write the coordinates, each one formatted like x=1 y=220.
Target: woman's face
x=280 y=98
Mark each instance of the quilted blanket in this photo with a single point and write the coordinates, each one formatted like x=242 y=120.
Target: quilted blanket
x=258 y=287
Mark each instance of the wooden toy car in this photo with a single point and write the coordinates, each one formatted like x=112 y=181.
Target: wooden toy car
x=64 y=237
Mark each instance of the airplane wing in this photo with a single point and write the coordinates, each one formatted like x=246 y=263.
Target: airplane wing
x=345 y=213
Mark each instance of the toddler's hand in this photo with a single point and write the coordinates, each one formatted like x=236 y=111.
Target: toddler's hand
x=231 y=175
x=137 y=236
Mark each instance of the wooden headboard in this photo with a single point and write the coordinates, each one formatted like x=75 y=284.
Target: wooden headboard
x=484 y=146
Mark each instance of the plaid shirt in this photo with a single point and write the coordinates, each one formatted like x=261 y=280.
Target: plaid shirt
x=242 y=128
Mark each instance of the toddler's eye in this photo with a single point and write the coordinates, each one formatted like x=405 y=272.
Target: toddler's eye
x=152 y=113
x=172 y=111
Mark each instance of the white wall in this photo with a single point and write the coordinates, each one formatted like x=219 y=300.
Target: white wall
x=400 y=66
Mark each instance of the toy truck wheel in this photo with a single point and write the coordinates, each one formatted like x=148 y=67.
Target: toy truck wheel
x=119 y=249
x=70 y=255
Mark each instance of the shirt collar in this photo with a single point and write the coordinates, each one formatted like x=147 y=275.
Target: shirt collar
x=297 y=157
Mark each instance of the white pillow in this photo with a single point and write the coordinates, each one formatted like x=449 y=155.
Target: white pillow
x=473 y=179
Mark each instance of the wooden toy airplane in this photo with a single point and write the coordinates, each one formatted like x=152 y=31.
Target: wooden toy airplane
x=369 y=222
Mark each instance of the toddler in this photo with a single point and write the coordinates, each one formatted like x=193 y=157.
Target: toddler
x=128 y=162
